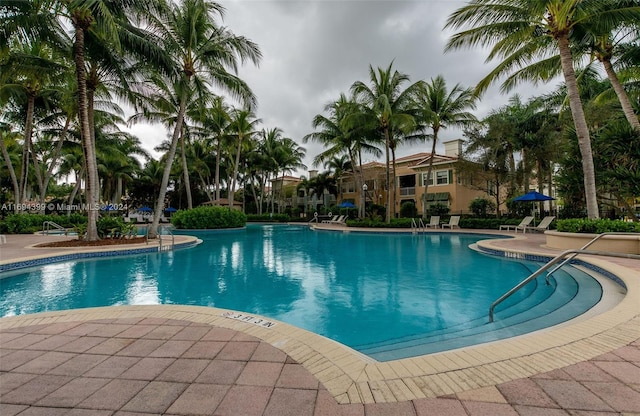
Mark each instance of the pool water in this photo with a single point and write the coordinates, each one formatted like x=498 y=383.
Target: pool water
x=361 y=289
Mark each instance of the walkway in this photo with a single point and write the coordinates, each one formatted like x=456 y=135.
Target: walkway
x=179 y=360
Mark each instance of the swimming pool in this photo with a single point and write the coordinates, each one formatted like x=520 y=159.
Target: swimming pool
x=374 y=292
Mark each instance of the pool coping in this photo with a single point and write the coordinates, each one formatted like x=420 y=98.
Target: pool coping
x=351 y=377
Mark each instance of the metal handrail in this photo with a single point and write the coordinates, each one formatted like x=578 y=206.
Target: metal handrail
x=168 y=230
x=47 y=225
x=596 y=238
x=553 y=261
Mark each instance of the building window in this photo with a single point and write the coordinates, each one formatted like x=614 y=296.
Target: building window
x=443 y=177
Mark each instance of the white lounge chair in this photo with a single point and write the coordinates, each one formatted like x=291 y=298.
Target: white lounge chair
x=453 y=222
x=524 y=223
x=434 y=222
x=334 y=219
x=543 y=226
x=341 y=220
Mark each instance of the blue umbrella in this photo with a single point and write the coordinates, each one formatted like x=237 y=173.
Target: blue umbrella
x=346 y=204
x=533 y=196
x=145 y=209
x=170 y=209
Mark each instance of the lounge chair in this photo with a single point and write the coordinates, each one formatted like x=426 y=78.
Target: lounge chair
x=334 y=219
x=453 y=222
x=341 y=220
x=543 y=226
x=434 y=222
x=524 y=223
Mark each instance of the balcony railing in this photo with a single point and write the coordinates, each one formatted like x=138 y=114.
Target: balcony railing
x=408 y=191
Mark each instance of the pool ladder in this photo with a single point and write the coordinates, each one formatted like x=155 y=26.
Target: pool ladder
x=416 y=227
x=166 y=246
x=48 y=226
x=567 y=256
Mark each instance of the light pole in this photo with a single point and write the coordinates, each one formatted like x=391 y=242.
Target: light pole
x=364 y=199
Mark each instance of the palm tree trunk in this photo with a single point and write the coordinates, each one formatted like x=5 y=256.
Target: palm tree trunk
x=153 y=231
x=88 y=146
x=627 y=108
x=217 y=179
x=429 y=170
x=236 y=168
x=12 y=173
x=26 y=149
x=185 y=171
x=388 y=174
x=54 y=159
x=584 y=141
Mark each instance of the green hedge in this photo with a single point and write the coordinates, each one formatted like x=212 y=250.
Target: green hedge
x=268 y=218
x=203 y=218
x=597 y=226
x=31 y=223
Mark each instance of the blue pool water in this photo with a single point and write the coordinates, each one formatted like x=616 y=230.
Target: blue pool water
x=364 y=290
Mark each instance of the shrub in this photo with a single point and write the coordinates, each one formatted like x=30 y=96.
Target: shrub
x=408 y=210
x=598 y=226
x=481 y=207
x=31 y=223
x=204 y=218
x=437 y=209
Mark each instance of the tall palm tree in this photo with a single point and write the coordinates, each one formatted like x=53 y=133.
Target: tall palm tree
x=388 y=107
x=529 y=34
x=337 y=166
x=215 y=119
x=201 y=52
x=442 y=109
x=242 y=128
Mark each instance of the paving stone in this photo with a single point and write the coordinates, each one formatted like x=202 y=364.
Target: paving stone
x=45 y=362
x=155 y=397
x=147 y=368
x=140 y=347
x=11 y=409
x=163 y=332
x=429 y=407
x=78 y=365
x=35 y=389
x=44 y=411
x=267 y=352
x=81 y=344
x=296 y=376
x=291 y=402
x=629 y=353
x=91 y=412
x=110 y=330
x=85 y=328
x=389 y=409
x=221 y=372
x=572 y=395
x=553 y=375
x=483 y=394
x=620 y=397
x=199 y=399
x=136 y=331
x=239 y=351
x=623 y=371
x=52 y=342
x=586 y=371
x=258 y=373
x=326 y=405
x=110 y=346
x=204 y=349
x=18 y=358
x=112 y=367
x=24 y=341
x=183 y=370
x=10 y=381
x=526 y=392
x=191 y=333
x=218 y=334
x=172 y=348
x=539 y=411
x=488 y=409
x=245 y=401
x=608 y=357
x=56 y=328
x=72 y=393
x=113 y=395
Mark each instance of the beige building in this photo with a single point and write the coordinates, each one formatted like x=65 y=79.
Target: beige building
x=446 y=185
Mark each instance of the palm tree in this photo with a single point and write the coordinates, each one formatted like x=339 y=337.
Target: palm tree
x=201 y=51
x=215 y=119
x=528 y=34
x=442 y=109
x=242 y=127
x=338 y=165
x=388 y=107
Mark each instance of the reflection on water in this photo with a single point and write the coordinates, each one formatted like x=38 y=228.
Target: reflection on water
x=351 y=287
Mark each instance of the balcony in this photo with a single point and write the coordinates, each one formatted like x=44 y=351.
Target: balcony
x=409 y=191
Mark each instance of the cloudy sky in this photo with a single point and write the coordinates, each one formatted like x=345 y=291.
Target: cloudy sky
x=315 y=49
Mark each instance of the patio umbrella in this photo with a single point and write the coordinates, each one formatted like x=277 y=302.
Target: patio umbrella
x=533 y=197
x=170 y=209
x=145 y=209
x=346 y=204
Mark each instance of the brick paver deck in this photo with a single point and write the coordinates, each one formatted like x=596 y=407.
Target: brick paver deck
x=164 y=365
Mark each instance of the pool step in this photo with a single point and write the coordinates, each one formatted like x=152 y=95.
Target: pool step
x=577 y=294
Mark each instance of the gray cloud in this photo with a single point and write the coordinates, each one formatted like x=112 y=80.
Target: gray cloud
x=314 y=50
